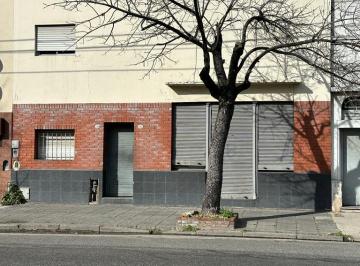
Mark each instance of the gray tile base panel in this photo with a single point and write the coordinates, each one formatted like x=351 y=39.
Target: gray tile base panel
x=57 y=186
x=169 y=188
x=179 y=188
x=289 y=190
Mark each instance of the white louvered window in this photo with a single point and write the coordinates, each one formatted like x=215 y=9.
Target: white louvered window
x=55 y=144
x=55 y=39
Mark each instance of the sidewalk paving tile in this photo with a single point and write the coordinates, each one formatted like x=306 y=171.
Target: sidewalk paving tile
x=127 y=218
x=39 y=226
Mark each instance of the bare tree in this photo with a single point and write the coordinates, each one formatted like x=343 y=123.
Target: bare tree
x=263 y=28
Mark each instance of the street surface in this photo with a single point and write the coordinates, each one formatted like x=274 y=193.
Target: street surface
x=48 y=249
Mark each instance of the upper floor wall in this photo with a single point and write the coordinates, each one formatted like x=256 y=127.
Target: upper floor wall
x=6 y=55
x=97 y=74
x=346 y=26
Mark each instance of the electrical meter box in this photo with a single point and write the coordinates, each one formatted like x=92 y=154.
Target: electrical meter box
x=15 y=144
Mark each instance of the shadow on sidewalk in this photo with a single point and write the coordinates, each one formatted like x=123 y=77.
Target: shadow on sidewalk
x=242 y=221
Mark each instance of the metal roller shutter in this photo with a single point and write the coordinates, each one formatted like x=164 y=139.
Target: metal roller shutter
x=56 y=38
x=189 y=135
x=238 y=172
x=275 y=144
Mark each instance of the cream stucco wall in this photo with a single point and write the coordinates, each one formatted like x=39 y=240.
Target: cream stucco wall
x=96 y=75
x=6 y=55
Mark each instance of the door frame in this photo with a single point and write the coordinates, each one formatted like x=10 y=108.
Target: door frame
x=343 y=133
x=107 y=127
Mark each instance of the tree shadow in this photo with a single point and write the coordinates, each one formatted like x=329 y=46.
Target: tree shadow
x=312 y=148
x=242 y=222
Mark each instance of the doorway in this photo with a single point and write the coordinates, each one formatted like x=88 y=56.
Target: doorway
x=351 y=167
x=118 y=159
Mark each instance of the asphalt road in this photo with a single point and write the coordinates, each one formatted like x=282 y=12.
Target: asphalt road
x=31 y=249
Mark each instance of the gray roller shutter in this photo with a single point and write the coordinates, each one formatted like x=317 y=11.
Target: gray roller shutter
x=125 y=169
x=55 y=38
x=238 y=172
x=275 y=145
x=189 y=135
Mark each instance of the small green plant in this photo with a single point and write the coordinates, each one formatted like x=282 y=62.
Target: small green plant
x=13 y=196
x=155 y=231
x=338 y=233
x=226 y=213
x=189 y=228
x=346 y=238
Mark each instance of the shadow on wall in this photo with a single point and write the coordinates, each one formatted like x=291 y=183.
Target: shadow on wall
x=352 y=187
x=312 y=150
x=1 y=69
x=4 y=130
x=311 y=126
x=267 y=88
x=294 y=190
x=111 y=158
x=23 y=181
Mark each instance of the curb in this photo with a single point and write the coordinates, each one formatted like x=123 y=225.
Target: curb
x=113 y=230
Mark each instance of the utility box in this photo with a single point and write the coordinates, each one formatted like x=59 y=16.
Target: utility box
x=15 y=144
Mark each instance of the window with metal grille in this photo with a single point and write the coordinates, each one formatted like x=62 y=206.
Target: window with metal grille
x=55 y=39
x=55 y=144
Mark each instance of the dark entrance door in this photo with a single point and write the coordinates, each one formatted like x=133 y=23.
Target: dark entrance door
x=118 y=160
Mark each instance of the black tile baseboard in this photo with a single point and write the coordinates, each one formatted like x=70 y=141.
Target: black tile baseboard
x=57 y=186
x=169 y=188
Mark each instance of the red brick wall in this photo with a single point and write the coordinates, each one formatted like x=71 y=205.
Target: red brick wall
x=5 y=151
x=312 y=137
x=152 y=151
x=152 y=148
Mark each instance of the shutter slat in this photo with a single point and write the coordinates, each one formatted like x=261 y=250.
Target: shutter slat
x=55 y=38
x=190 y=135
x=275 y=145
x=238 y=179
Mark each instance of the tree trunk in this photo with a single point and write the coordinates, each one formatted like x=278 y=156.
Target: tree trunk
x=211 y=201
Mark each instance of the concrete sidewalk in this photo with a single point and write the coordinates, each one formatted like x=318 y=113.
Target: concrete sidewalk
x=112 y=219
x=348 y=221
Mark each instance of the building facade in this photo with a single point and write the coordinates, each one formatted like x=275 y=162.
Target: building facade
x=86 y=113
x=345 y=118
